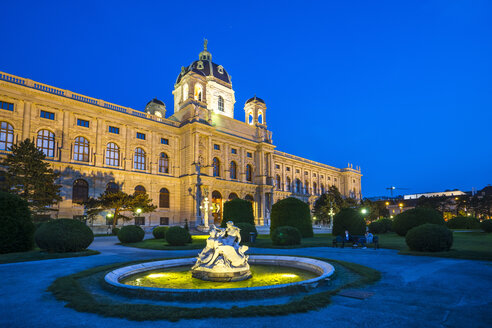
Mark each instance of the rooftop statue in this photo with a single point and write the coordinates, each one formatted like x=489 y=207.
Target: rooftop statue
x=222 y=259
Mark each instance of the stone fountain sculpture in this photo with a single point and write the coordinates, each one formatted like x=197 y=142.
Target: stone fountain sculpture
x=223 y=258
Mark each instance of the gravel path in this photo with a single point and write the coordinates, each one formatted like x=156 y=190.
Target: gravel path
x=415 y=291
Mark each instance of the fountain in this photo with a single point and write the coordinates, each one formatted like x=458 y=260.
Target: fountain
x=221 y=269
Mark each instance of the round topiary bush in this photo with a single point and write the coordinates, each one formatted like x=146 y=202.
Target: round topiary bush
x=407 y=220
x=16 y=227
x=245 y=230
x=131 y=234
x=64 y=235
x=291 y=212
x=284 y=236
x=238 y=211
x=463 y=222
x=115 y=231
x=160 y=232
x=349 y=219
x=486 y=225
x=178 y=236
x=381 y=226
x=429 y=238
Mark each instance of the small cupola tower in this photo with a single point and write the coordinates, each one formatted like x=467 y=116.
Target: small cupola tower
x=254 y=110
x=205 y=55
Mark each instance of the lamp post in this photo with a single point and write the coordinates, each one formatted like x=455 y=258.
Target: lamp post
x=331 y=213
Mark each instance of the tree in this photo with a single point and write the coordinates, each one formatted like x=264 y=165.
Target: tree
x=375 y=209
x=118 y=202
x=27 y=175
x=332 y=198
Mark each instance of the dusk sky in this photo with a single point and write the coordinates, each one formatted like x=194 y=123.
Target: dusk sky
x=403 y=89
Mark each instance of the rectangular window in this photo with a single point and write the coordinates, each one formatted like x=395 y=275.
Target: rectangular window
x=277 y=166
x=216 y=147
x=164 y=141
x=139 y=220
x=248 y=154
x=7 y=106
x=164 y=221
x=140 y=135
x=329 y=178
x=113 y=129
x=297 y=171
x=335 y=179
x=83 y=123
x=47 y=115
x=234 y=150
x=314 y=175
x=322 y=177
x=305 y=173
x=287 y=169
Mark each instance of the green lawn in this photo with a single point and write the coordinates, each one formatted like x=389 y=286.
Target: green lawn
x=467 y=245
x=37 y=254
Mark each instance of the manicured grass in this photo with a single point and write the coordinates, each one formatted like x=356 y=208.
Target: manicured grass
x=37 y=255
x=161 y=244
x=466 y=245
x=71 y=290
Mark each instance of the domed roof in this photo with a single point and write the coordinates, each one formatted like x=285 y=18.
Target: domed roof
x=255 y=98
x=156 y=101
x=156 y=107
x=204 y=66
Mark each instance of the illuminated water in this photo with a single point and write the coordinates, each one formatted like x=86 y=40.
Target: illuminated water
x=180 y=278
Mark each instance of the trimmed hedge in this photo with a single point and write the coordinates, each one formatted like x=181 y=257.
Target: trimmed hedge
x=291 y=212
x=160 y=232
x=64 y=235
x=238 y=211
x=486 y=225
x=178 y=236
x=284 y=236
x=381 y=226
x=16 y=227
x=115 y=231
x=429 y=238
x=463 y=222
x=349 y=219
x=407 y=220
x=131 y=234
x=245 y=230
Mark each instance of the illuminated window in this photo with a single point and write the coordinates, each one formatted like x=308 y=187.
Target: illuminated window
x=216 y=165
x=80 y=191
x=164 y=198
x=112 y=154
x=46 y=142
x=164 y=163
x=81 y=149
x=233 y=170
x=249 y=173
x=221 y=104
x=139 y=159
x=198 y=92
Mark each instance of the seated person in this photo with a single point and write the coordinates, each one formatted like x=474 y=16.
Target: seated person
x=346 y=238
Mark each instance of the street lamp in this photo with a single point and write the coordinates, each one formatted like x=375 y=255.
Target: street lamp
x=364 y=211
x=139 y=210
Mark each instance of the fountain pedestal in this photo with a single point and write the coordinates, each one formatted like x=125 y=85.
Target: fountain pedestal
x=222 y=259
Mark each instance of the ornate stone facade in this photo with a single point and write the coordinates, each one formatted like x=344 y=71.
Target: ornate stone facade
x=94 y=142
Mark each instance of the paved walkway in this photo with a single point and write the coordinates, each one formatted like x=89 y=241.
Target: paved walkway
x=415 y=291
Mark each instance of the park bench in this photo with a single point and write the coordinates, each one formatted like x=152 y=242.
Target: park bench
x=355 y=241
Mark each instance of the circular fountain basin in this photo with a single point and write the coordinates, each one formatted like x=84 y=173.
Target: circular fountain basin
x=173 y=277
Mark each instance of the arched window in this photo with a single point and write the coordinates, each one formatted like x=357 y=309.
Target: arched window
x=112 y=188
x=80 y=191
x=164 y=198
x=250 y=119
x=288 y=184
x=322 y=187
x=163 y=163
x=139 y=159
x=249 y=173
x=46 y=142
x=306 y=187
x=6 y=136
x=260 y=117
x=81 y=149
x=315 y=188
x=298 y=186
x=221 y=104
x=139 y=190
x=279 y=182
x=216 y=165
x=233 y=195
x=112 y=154
x=185 y=91
x=198 y=92
x=233 y=170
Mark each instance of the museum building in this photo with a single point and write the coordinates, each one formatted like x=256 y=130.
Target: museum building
x=99 y=146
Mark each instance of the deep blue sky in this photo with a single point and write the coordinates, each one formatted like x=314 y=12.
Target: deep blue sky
x=402 y=89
